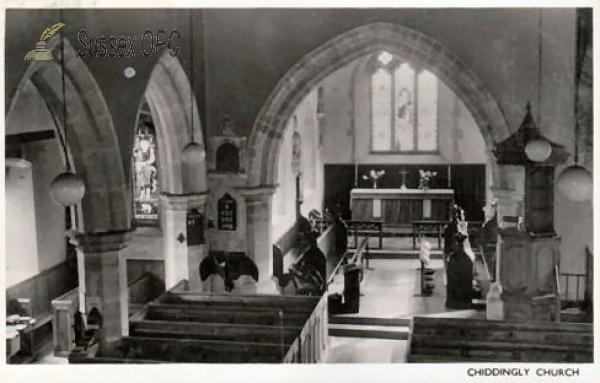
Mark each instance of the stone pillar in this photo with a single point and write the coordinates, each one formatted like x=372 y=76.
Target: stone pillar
x=103 y=279
x=259 y=241
x=528 y=276
x=182 y=262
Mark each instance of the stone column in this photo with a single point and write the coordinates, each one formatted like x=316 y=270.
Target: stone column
x=182 y=262
x=103 y=279
x=259 y=241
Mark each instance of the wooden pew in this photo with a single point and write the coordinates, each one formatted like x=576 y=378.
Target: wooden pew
x=200 y=351
x=286 y=303
x=213 y=331
x=475 y=340
x=232 y=315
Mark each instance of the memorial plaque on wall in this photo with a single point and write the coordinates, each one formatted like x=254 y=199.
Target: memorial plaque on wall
x=195 y=228
x=227 y=213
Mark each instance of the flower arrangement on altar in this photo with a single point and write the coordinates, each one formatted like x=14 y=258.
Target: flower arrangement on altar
x=374 y=175
x=425 y=177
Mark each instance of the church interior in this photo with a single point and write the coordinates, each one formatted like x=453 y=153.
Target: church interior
x=299 y=185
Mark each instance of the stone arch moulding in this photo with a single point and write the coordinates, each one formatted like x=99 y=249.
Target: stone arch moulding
x=268 y=129
x=168 y=96
x=92 y=142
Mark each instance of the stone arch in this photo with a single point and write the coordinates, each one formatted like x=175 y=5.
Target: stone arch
x=168 y=95
x=92 y=144
x=264 y=141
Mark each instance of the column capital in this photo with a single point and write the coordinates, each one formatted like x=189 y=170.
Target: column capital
x=106 y=242
x=183 y=202
x=256 y=193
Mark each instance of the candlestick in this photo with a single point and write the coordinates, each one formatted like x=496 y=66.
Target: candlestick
x=403 y=173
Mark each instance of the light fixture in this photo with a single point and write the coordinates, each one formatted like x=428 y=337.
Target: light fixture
x=129 y=72
x=193 y=153
x=576 y=182
x=67 y=188
x=539 y=149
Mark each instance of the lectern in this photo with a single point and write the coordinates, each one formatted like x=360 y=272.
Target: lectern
x=529 y=256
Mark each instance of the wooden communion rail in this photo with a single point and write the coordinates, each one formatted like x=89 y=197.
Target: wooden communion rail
x=188 y=327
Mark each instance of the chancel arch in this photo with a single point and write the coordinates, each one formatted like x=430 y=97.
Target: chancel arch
x=397 y=40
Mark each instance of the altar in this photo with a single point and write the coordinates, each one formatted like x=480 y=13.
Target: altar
x=400 y=206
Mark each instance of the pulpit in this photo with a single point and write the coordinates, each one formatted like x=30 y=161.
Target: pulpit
x=529 y=254
x=400 y=206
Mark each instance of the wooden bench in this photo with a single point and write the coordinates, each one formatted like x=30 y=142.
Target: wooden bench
x=213 y=331
x=369 y=229
x=200 y=351
x=286 y=303
x=188 y=327
x=476 y=340
x=192 y=313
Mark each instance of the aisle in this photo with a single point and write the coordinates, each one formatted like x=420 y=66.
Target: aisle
x=390 y=289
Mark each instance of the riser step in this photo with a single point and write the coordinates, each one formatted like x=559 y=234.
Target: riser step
x=368 y=334
x=373 y=332
x=398 y=322
x=390 y=254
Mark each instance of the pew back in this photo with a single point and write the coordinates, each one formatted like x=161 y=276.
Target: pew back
x=478 y=340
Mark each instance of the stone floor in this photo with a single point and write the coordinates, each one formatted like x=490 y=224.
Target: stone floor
x=391 y=289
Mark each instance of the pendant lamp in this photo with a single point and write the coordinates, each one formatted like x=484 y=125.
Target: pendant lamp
x=193 y=153
x=68 y=188
x=539 y=149
x=576 y=182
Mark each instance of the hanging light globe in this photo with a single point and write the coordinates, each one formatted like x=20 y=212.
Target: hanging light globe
x=67 y=189
x=193 y=153
x=576 y=183
x=538 y=150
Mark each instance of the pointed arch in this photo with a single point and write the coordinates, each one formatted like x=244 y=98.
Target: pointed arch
x=404 y=42
x=168 y=95
x=92 y=143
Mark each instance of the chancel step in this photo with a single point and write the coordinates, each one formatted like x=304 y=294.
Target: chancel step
x=368 y=331
x=401 y=254
x=357 y=320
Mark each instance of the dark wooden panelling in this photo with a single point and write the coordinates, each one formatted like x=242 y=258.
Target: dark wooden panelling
x=468 y=182
x=42 y=288
x=136 y=268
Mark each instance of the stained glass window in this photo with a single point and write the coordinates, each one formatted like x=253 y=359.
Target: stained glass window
x=381 y=103
x=146 y=193
x=403 y=106
x=428 y=111
x=404 y=116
